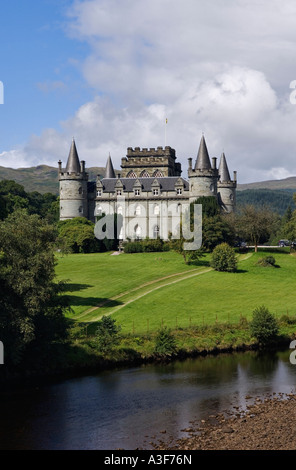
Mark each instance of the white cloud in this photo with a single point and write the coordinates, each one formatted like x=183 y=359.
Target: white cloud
x=220 y=67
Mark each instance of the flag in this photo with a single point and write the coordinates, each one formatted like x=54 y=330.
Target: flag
x=166 y=121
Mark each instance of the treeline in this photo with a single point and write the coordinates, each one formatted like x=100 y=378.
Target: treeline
x=276 y=200
x=13 y=196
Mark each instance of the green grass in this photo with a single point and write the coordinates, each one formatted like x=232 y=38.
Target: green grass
x=215 y=297
x=93 y=279
x=147 y=290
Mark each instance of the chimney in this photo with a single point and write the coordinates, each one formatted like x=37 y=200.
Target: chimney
x=214 y=163
x=189 y=163
x=234 y=176
x=82 y=166
x=60 y=166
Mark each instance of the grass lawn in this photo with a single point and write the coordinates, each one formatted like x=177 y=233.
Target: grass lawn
x=95 y=278
x=215 y=296
x=148 y=290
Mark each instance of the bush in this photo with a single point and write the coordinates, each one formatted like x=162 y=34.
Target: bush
x=165 y=343
x=266 y=261
x=264 y=326
x=224 y=258
x=107 y=335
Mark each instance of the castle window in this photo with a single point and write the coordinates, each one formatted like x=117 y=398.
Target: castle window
x=144 y=174
x=158 y=174
x=179 y=191
x=179 y=208
x=156 y=231
x=138 y=232
x=138 y=210
x=99 y=193
x=156 y=209
x=80 y=209
x=119 y=210
x=99 y=210
x=118 y=192
x=80 y=190
x=155 y=192
x=131 y=174
x=137 y=192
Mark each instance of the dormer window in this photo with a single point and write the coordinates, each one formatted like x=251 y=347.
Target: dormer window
x=179 y=191
x=99 y=193
x=137 y=192
x=118 y=192
x=155 y=192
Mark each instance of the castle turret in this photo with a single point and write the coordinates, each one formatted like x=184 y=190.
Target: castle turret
x=203 y=178
x=73 y=187
x=226 y=187
x=109 y=173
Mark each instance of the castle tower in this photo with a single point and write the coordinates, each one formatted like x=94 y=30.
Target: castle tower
x=73 y=187
x=109 y=173
x=204 y=176
x=226 y=187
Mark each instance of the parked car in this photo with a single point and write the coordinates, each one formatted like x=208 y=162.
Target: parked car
x=284 y=243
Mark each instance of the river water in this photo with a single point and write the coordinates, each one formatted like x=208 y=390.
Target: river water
x=130 y=408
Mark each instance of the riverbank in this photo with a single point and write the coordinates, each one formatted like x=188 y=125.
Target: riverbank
x=265 y=425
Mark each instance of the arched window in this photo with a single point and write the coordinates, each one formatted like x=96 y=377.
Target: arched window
x=138 y=210
x=131 y=174
x=158 y=174
x=144 y=174
x=179 y=208
x=138 y=231
x=156 y=209
x=119 y=210
x=99 y=210
x=156 y=231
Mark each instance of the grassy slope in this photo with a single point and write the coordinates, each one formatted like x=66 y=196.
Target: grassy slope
x=215 y=296
x=202 y=298
x=94 y=278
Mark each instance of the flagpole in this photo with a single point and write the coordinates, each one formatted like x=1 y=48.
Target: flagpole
x=165 y=132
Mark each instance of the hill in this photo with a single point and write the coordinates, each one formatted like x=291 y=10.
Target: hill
x=42 y=178
x=277 y=200
x=286 y=183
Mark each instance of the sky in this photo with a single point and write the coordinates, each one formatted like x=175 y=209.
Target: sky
x=110 y=72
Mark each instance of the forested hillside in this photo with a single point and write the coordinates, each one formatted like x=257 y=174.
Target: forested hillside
x=277 y=200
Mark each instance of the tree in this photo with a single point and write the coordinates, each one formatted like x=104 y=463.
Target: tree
x=264 y=326
x=256 y=225
x=107 y=335
x=224 y=258
x=32 y=319
x=165 y=343
x=77 y=236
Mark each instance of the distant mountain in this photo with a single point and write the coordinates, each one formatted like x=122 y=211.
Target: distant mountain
x=42 y=178
x=287 y=183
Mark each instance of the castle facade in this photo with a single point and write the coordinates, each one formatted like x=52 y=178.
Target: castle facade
x=149 y=192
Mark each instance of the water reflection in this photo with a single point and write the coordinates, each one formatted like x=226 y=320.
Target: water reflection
x=128 y=408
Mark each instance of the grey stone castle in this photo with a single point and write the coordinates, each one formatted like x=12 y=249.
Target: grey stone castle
x=148 y=186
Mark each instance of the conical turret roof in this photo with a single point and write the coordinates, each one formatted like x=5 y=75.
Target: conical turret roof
x=73 y=164
x=223 y=169
x=203 y=159
x=110 y=173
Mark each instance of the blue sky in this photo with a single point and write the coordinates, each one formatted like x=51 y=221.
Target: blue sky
x=109 y=73
x=42 y=84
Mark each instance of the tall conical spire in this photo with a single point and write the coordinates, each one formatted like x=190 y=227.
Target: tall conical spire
x=73 y=164
x=110 y=173
x=203 y=159
x=223 y=169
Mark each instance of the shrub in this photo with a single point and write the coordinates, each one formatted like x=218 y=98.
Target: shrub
x=266 y=261
x=165 y=343
x=224 y=258
x=107 y=335
x=264 y=326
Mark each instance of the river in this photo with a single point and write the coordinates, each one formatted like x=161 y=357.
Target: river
x=132 y=408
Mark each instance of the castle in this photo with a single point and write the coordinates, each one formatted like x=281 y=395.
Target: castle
x=148 y=187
